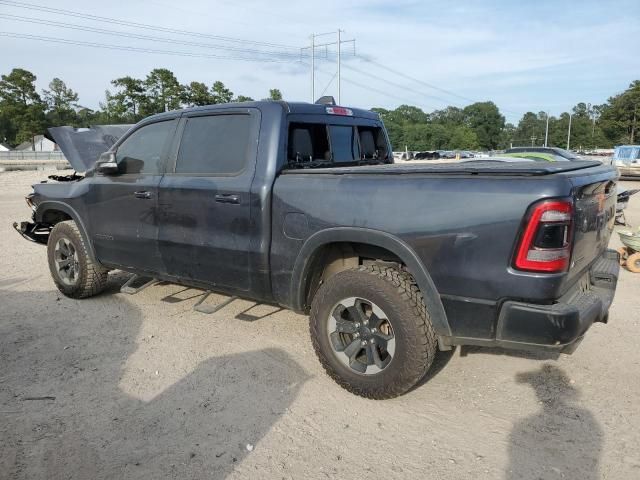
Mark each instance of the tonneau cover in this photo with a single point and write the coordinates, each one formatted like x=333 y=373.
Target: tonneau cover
x=484 y=167
x=83 y=146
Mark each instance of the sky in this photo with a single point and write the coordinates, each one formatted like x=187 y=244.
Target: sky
x=523 y=55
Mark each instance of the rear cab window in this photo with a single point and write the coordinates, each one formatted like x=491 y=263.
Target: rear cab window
x=331 y=142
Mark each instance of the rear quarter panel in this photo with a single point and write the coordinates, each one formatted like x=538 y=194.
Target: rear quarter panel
x=463 y=228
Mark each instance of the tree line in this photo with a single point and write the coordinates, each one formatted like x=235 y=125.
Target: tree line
x=482 y=126
x=24 y=112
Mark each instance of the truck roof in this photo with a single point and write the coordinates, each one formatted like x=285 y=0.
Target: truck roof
x=289 y=107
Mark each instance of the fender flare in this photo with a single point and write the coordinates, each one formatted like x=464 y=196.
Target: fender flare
x=47 y=205
x=378 y=238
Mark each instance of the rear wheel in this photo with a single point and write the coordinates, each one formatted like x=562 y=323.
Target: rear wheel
x=73 y=271
x=372 y=332
x=633 y=262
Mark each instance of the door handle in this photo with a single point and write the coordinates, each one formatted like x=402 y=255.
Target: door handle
x=228 y=198
x=144 y=194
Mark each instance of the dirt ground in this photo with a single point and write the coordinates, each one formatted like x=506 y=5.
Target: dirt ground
x=141 y=386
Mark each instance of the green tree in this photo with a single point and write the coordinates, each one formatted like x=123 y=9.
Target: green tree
x=21 y=108
x=448 y=116
x=621 y=118
x=462 y=138
x=530 y=131
x=163 y=90
x=131 y=95
x=197 y=93
x=485 y=120
x=61 y=103
x=220 y=93
x=113 y=109
x=243 y=98
x=275 y=94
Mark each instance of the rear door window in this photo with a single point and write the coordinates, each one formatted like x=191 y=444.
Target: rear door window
x=216 y=145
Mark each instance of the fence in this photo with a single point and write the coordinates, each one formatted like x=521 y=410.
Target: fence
x=31 y=155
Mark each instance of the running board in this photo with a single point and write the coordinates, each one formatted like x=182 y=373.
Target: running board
x=130 y=289
x=208 y=309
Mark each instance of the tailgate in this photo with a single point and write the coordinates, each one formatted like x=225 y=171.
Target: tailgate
x=595 y=203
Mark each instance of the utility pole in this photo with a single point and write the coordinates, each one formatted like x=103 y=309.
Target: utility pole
x=546 y=131
x=339 y=42
x=313 y=68
x=533 y=140
x=339 y=52
x=569 y=133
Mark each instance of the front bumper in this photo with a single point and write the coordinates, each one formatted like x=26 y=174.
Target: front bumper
x=560 y=327
x=34 y=232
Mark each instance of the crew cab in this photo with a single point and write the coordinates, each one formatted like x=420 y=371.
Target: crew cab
x=301 y=205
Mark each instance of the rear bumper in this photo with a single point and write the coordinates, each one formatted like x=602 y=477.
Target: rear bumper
x=560 y=327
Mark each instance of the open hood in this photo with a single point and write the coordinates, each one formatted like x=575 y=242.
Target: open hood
x=82 y=146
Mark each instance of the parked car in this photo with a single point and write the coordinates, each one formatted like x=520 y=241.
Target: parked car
x=299 y=205
x=626 y=158
x=551 y=154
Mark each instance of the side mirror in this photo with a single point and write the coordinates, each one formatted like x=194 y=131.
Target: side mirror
x=107 y=164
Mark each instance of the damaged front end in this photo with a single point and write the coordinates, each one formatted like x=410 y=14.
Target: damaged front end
x=81 y=147
x=33 y=231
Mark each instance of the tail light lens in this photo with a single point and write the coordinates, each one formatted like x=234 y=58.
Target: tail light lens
x=546 y=243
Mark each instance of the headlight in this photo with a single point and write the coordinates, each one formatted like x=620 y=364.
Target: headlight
x=29 y=200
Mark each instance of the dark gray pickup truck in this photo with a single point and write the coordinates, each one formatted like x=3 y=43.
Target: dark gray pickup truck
x=300 y=205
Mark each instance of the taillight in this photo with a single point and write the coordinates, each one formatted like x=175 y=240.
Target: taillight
x=546 y=243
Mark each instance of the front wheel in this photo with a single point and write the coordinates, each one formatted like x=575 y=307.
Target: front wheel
x=372 y=332
x=72 y=269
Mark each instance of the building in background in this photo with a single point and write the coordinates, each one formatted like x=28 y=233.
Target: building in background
x=38 y=144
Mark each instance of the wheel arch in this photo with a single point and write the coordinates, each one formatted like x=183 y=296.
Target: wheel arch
x=317 y=246
x=52 y=211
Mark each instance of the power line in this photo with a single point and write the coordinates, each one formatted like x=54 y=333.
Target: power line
x=74 y=26
x=135 y=49
x=426 y=84
x=370 y=88
x=86 y=16
x=422 y=82
x=403 y=87
x=328 y=84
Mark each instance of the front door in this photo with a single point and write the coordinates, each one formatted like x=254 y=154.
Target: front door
x=204 y=207
x=122 y=207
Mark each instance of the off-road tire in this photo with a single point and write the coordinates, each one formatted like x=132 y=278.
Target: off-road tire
x=92 y=278
x=633 y=262
x=396 y=293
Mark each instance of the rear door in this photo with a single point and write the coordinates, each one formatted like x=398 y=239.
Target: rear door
x=204 y=201
x=122 y=207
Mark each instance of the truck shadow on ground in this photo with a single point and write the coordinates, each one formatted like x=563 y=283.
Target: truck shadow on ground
x=101 y=423
x=562 y=440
